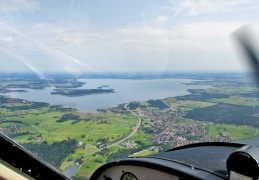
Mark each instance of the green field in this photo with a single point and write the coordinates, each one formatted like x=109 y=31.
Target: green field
x=188 y=105
x=53 y=131
x=144 y=103
x=90 y=165
x=143 y=153
x=236 y=132
x=182 y=122
x=237 y=100
x=41 y=122
x=142 y=137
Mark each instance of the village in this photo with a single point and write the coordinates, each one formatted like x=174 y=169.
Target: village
x=169 y=125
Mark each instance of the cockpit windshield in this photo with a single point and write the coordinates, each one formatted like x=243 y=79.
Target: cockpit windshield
x=86 y=82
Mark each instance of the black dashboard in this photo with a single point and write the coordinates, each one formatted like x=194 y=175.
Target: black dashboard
x=196 y=161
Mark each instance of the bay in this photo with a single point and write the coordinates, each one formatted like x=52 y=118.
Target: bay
x=126 y=90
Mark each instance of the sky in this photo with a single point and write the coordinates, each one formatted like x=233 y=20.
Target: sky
x=85 y=36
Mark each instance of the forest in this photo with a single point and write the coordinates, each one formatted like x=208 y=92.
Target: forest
x=67 y=117
x=33 y=105
x=157 y=104
x=200 y=95
x=151 y=103
x=55 y=153
x=133 y=105
x=227 y=113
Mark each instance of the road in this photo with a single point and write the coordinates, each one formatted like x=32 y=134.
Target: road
x=135 y=129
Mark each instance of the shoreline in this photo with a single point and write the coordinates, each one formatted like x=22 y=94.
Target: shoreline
x=124 y=91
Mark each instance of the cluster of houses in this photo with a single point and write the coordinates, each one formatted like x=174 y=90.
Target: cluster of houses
x=129 y=144
x=170 y=126
x=13 y=128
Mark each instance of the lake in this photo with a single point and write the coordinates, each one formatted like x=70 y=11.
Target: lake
x=71 y=171
x=126 y=90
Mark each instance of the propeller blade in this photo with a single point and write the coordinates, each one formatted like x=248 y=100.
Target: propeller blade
x=243 y=36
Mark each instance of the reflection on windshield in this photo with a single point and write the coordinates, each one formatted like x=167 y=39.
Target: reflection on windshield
x=93 y=82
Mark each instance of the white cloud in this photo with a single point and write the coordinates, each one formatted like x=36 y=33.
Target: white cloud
x=144 y=46
x=6 y=39
x=199 y=7
x=188 y=36
x=210 y=34
x=162 y=19
x=156 y=41
x=33 y=45
x=10 y=6
x=141 y=32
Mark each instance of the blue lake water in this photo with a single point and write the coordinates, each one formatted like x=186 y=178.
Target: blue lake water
x=71 y=171
x=126 y=90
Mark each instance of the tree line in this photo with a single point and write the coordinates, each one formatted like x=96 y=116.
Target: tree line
x=55 y=153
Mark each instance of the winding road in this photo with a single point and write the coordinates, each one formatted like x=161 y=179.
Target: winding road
x=135 y=129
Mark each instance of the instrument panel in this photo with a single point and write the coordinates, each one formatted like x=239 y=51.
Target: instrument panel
x=129 y=172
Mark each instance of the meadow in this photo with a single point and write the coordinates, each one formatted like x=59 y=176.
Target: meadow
x=236 y=132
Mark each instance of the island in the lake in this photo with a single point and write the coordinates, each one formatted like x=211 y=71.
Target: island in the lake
x=12 y=90
x=81 y=92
